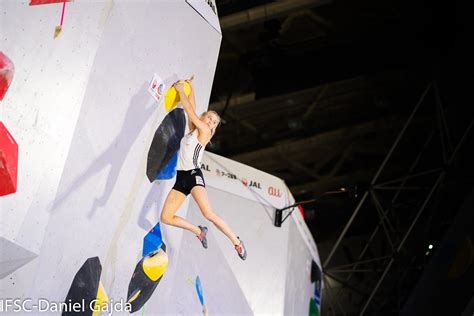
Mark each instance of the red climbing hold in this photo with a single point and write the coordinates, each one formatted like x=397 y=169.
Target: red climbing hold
x=35 y=2
x=8 y=161
x=6 y=74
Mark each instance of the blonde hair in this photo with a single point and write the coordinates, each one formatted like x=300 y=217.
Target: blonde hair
x=218 y=119
x=213 y=131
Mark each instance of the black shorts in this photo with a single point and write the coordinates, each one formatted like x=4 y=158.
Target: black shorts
x=188 y=179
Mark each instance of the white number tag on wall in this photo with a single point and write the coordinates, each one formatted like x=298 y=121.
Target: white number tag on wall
x=208 y=10
x=156 y=88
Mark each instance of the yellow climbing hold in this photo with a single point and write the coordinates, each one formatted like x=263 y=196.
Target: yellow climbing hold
x=100 y=301
x=134 y=297
x=155 y=265
x=57 y=31
x=172 y=96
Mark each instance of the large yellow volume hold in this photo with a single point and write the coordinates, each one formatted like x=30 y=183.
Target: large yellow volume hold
x=155 y=265
x=172 y=96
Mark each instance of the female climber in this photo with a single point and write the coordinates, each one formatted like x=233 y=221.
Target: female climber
x=189 y=177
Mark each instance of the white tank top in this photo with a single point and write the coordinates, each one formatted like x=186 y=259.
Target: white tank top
x=190 y=152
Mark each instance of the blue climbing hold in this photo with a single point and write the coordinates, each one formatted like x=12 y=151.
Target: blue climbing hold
x=152 y=240
x=169 y=171
x=199 y=290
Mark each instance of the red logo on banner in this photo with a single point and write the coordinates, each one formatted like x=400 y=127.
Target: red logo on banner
x=301 y=210
x=274 y=192
x=245 y=182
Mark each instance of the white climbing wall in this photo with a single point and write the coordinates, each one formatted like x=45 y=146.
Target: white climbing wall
x=79 y=109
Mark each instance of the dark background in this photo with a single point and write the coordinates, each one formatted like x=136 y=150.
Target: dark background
x=317 y=94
